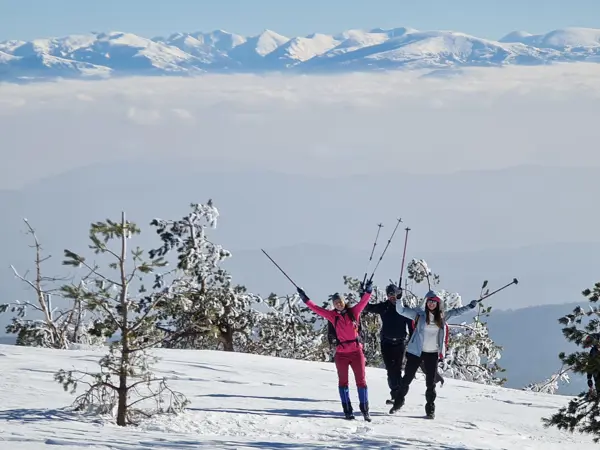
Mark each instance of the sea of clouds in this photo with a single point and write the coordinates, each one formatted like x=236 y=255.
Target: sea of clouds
x=352 y=123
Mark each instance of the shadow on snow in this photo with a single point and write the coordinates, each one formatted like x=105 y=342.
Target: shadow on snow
x=285 y=399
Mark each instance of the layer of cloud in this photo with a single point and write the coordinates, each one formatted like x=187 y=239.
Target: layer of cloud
x=481 y=118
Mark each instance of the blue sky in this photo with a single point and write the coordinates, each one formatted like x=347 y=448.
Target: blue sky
x=27 y=19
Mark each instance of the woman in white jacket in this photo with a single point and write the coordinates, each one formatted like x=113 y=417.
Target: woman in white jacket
x=427 y=346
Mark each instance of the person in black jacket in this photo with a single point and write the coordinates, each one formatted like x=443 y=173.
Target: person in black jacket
x=393 y=337
x=593 y=341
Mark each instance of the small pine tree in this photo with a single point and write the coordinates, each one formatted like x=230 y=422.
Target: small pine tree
x=213 y=312
x=125 y=378
x=583 y=412
x=472 y=354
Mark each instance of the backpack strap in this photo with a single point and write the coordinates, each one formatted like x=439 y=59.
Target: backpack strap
x=331 y=334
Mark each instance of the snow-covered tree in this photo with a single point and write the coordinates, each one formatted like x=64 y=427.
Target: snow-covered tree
x=57 y=327
x=124 y=384
x=472 y=355
x=551 y=385
x=212 y=312
x=287 y=330
x=418 y=271
x=582 y=327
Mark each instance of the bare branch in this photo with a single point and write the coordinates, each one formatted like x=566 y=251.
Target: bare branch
x=137 y=383
x=25 y=280
x=94 y=271
x=26 y=303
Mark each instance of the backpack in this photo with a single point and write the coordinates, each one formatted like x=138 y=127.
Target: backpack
x=332 y=334
x=414 y=327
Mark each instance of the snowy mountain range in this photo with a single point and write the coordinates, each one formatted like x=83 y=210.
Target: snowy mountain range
x=98 y=55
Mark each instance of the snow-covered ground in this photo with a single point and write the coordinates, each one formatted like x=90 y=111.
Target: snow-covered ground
x=251 y=402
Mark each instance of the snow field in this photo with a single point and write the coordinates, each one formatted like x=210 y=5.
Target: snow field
x=241 y=401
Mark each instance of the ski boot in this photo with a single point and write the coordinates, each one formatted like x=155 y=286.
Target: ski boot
x=393 y=394
x=363 y=397
x=398 y=403
x=430 y=410
x=430 y=396
x=346 y=404
x=364 y=409
x=348 y=412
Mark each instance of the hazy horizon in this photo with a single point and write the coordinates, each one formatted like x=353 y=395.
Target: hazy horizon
x=481 y=119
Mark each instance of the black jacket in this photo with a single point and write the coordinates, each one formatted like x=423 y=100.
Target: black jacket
x=394 y=327
x=593 y=354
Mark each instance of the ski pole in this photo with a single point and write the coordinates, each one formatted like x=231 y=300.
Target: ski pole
x=380 y=226
x=385 y=249
x=514 y=281
x=403 y=256
x=282 y=271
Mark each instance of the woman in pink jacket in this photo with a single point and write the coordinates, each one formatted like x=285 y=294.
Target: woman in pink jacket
x=349 y=350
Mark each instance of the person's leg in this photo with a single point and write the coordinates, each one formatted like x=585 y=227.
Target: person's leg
x=342 y=362
x=398 y=355
x=387 y=354
x=430 y=362
x=412 y=365
x=358 y=363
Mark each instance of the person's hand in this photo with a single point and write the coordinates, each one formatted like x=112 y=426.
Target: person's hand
x=302 y=295
x=361 y=289
x=399 y=293
x=369 y=287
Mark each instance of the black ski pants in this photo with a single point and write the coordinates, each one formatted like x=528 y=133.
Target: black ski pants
x=393 y=355
x=596 y=383
x=430 y=363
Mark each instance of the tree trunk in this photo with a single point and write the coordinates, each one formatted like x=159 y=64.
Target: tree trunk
x=124 y=366
x=122 y=408
x=227 y=339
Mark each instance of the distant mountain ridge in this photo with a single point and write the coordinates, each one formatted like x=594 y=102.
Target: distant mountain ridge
x=101 y=55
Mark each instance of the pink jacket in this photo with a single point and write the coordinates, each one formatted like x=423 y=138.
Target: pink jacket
x=346 y=330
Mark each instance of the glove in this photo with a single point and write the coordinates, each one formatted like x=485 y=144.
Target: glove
x=369 y=287
x=473 y=303
x=361 y=289
x=398 y=293
x=302 y=295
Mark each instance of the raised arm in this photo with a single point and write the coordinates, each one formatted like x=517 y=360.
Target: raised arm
x=405 y=311
x=458 y=311
x=328 y=314
x=375 y=308
x=358 y=308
